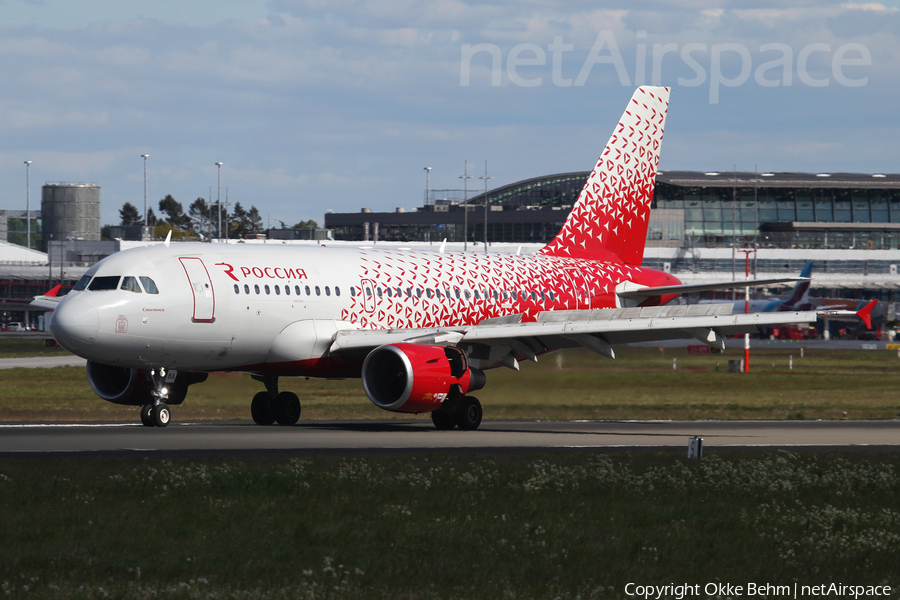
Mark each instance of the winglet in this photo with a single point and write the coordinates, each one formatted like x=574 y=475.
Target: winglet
x=168 y=238
x=54 y=291
x=443 y=245
x=865 y=313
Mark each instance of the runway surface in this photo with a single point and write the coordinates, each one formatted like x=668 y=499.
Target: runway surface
x=419 y=436
x=42 y=362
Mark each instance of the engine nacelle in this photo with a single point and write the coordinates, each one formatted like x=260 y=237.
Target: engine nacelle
x=412 y=378
x=133 y=387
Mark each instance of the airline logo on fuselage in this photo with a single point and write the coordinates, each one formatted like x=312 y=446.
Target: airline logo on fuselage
x=262 y=272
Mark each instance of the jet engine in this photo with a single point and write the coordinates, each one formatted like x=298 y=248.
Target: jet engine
x=413 y=378
x=133 y=387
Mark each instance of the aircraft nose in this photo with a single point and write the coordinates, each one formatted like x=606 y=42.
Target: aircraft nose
x=74 y=325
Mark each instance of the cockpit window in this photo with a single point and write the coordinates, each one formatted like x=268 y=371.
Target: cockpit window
x=130 y=284
x=82 y=283
x=108 y=282
x=149 y=285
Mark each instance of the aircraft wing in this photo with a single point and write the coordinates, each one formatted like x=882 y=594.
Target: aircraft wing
x=646 y=292
x=865 y=313
x=49 y=300
x=505 y=340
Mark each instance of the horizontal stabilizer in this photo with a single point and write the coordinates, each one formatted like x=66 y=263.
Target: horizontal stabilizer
x=647 y=292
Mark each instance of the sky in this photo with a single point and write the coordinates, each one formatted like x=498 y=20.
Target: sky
x=315 y=105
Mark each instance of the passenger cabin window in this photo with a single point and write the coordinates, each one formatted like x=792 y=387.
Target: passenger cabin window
x=353 y=292
x=337 y=291
x=318 y=291
x=327 y=291
x=308 y=293
x=267 y=290
x=287 y=290
x=101 y=284
x=246 y=289
x=277 y=290
x=237 y=289
x=256 y=289
x=82 y=283
x=149 y=285
x=297 y=290
x=130 y=284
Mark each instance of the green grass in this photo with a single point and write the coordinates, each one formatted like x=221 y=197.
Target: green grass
x=443 y=526
x=640 y=384
x=20 y=347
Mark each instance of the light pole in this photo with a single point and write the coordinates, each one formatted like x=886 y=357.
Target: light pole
x=145 y=157
x=465 y=177
x=28 y=204
x=427 y=183
x=219 y=198
x=485 y=177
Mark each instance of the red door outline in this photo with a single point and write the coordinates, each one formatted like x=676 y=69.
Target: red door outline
x=201 y=288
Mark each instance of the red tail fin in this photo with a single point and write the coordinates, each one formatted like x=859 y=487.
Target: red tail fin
x=54 y=291
x=610 y=218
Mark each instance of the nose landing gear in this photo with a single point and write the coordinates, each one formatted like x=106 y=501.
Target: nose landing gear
x=157 y=413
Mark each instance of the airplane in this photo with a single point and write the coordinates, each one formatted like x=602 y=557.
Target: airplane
x=419 y=328
x=798 y=300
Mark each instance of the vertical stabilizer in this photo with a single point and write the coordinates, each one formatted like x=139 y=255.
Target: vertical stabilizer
x=610 y=218
x=800 y=295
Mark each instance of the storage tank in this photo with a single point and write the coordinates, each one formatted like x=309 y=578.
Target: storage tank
x=70 y=211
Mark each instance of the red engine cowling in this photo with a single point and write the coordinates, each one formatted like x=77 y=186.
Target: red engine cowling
x=132 y=387
x=412 y=378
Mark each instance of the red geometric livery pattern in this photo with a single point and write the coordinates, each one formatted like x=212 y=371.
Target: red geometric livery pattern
x=600 y=246
x=609 y=220
x=409 y=289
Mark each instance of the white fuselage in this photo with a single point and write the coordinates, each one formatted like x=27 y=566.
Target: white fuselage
x=256 y=308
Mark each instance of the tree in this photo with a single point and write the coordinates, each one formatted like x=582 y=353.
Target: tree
x=198 y=212
x=254 y=221
x=174 y=213
x=151 y=218
x=129 y=215
x=238 y=223
x=306 y=225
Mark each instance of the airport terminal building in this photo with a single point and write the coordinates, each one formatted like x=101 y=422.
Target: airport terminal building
x=691 y=210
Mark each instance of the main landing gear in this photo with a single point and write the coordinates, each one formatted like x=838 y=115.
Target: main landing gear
x=157 y=413
x=464 y=413
x=273 y=407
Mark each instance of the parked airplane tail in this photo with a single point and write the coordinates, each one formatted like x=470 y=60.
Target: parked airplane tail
x=609 y=220
x=800 y=295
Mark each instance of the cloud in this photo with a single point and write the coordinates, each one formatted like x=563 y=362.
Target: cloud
x=313 y=104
